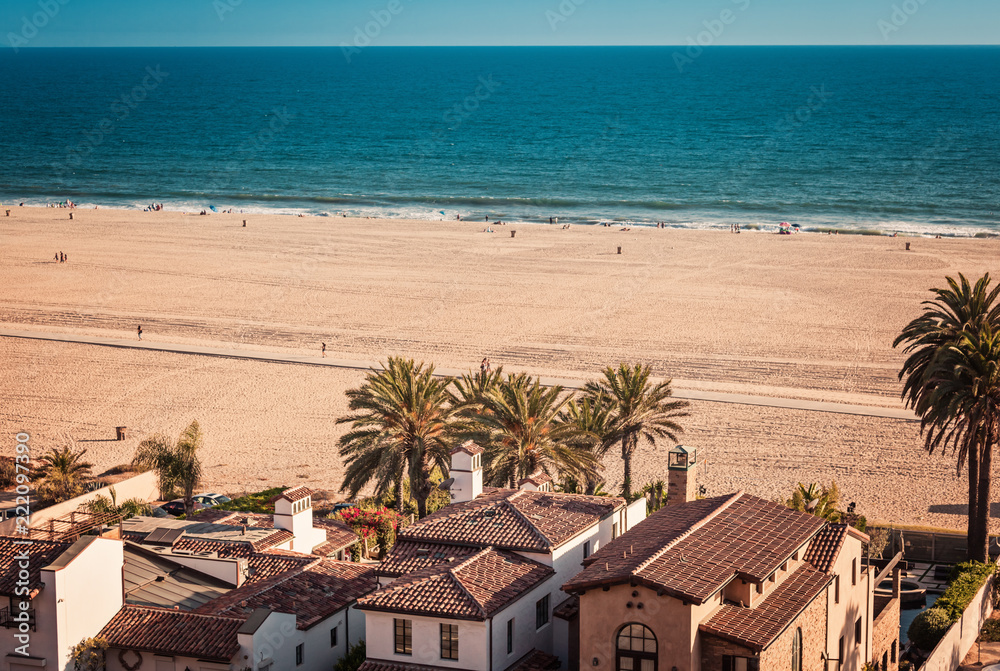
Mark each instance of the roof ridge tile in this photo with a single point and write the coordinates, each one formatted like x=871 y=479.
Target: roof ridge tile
x=545 y=539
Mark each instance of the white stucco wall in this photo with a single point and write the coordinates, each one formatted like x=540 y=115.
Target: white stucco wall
x=855 y=601
x=473 y=641
x=526 y=636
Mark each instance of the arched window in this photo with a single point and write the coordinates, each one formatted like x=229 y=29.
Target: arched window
x=797 y=650
x=636 y=649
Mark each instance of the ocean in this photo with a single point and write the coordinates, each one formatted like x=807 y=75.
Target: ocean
x=860 y=139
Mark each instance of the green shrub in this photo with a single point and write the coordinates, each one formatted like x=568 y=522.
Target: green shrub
x=258 y=502
x=990 y=632
x=929 y=627
x=354 y=658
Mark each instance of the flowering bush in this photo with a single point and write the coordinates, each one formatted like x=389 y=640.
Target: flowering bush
x=381 y=523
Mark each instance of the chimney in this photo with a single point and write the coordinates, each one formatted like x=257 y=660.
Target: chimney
x=681 y=482
x=536 y=482
x=467 y=472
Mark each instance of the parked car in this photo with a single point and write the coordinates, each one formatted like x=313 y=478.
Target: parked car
x=342 y=506
x=176 y=507
x=209 y=500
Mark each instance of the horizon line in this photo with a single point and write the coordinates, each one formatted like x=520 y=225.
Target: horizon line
x=491 y=46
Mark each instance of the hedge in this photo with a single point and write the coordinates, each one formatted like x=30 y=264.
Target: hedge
x=930 y=626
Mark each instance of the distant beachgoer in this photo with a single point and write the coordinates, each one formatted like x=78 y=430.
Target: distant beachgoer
x=483 y=366
x=139 y=331
x=458 y=217
x=57 y=256
x=487 y=365
x=324 y=350
x=487 y=217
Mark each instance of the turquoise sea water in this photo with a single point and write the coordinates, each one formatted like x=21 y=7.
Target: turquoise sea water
x=857 y=138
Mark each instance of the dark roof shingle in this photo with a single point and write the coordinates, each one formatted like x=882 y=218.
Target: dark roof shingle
x=409 y=556
x=757 y=627
x=694 y=549
x=40 y=554
x=825 y=547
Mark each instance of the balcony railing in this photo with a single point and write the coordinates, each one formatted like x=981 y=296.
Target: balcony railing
x=8 y=621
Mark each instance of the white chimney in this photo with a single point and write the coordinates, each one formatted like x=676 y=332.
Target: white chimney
x=293 y=512
x=537 y=482
x=467 y=471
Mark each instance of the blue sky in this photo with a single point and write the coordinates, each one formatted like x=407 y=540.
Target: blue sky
x=498 y=22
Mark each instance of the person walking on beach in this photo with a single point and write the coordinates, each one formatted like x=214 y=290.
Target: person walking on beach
x=139 y=331
x=484 y=366
x=324 y=350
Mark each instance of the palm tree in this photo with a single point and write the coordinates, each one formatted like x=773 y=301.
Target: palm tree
x=642 y=411
x=62 y=473
x=965 y=403
x=472 y=387
x=520 y=428
x=401 y=429
x=593 y=417
x=816 y=500
x=176 y=463
x=959 y=308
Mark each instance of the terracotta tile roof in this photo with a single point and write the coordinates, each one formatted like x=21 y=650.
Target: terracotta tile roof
x=385 y=665
x=568 y=609
x=537 y=479
x=40 y=554
x=469 y=447
x=262 y=565
x=825 y=547
x=294 y=494
x=692 y=550
x=514 y=520
x=312 y=595
x=536 y=660
x=472 y=589
x=409 y=556
x=338 y=534
x=757 y=627
x=171 y=632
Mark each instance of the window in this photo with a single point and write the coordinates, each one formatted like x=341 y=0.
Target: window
x=298 y=654
x=403 y=635
x=854 y=571
x=449 y=641
x=333 y=637
x=636 y=649
x=857 y=632
x=614 y=531
x=542 y=612
x=732 y=663
x=797 y=650
x=836 y=589
x=885 y=661
x=586 y=549
x=892 y=650
x=510 y=636
x=840 y=652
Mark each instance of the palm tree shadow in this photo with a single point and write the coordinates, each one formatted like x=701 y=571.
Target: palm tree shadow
x=961 y=509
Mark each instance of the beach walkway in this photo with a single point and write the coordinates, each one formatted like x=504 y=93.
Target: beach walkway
x=569 y=383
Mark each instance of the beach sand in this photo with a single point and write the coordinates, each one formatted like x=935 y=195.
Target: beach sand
x=804 y=316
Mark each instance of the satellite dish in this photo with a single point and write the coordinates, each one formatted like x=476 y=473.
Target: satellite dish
x=446 y=484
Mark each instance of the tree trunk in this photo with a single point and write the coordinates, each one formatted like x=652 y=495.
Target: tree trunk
x=973 y=526
x=627 y=458
x=981 y=551
x=400 y=504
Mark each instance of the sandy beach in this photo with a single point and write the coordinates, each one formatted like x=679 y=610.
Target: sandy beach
x=801 y=317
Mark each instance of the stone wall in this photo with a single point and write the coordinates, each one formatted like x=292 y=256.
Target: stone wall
x=812 y=621
x=885 y=634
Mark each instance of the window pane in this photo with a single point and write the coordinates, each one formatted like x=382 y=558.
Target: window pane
x=753 y=665
x=625 y=664
x=647 y=665
x=649 y=646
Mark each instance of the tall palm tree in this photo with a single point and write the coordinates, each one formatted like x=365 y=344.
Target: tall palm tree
x=520 y=428
x=594 y=419
x=965 y=403
x=643 y=411
x=472 y=387
x=960 y=307
x=401 y=429
x=62 y=473
x=176 y=463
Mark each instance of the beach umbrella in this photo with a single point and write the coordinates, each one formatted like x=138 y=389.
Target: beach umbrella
x=212 y=208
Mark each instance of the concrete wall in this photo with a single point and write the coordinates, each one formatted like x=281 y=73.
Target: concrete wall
x=856 y=600
x=473 y=641
x=143 y=486
x=959 y=639
x=79 y=598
